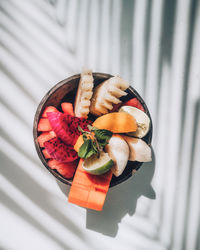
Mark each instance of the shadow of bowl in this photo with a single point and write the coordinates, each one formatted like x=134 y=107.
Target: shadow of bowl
x=65 y=91
x=122 y=200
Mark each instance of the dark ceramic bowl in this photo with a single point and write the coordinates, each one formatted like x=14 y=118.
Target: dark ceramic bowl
x=66 y=91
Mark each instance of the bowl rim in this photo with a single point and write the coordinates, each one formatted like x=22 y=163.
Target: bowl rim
x=40 y=108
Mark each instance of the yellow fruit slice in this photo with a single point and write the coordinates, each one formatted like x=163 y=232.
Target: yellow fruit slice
x=116 y=122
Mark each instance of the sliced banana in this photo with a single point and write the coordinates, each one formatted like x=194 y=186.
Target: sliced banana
x=84 y=94
x=141 y=118
x=139 y=150
x=106 y=94
x=118 y=151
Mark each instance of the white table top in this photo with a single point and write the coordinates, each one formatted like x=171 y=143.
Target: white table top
x=152 y=44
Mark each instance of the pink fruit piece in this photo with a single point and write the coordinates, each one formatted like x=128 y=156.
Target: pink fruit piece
x=134 y=102
x=73 y=123
x=66 y=126
x=67 y=108
x=59 y=151
x=44 y=125
x=49 y=109
x=46 y=154
x=45 y=136
x=59 y=126
x=67 y=170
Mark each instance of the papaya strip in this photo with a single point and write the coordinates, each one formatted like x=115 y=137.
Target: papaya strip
x=89 y=190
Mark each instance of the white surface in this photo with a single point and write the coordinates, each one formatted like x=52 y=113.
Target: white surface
x=152 y=44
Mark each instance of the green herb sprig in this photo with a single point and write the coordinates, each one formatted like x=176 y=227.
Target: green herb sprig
x=95 y=142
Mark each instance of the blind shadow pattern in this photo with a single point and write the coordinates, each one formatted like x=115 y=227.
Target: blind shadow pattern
x=155 y=46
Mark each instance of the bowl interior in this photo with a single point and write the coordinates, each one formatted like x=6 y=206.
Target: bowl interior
x=66 y=91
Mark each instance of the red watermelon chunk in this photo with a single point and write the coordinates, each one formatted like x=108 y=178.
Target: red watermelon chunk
x=67 y=169
x=49 y=109
x=67 y=108
x=45 y=136
x=66 y=126
x=59 y=151
x=44 y=125
x=46 y=154
x=134 y=102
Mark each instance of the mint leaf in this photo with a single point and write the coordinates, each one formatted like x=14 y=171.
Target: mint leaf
x=102 y=136
x=84 y=149
x=92 y=128
x=87 y=149
x=90 y=153
x=84 y=137
x=95 y=145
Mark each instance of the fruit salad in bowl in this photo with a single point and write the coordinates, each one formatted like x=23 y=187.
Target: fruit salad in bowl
x=92 y=131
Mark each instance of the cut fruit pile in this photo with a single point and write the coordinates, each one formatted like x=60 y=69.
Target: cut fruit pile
x=59 y=131
x=99 y=148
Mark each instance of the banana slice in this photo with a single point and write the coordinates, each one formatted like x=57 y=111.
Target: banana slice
x=84 y=94
x=142 y=120
x=106 y=94
x=118 y=151
x=139 y=150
